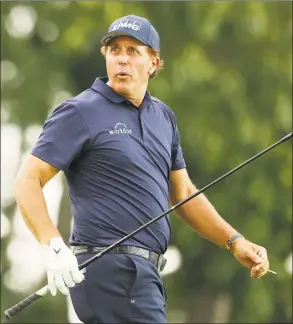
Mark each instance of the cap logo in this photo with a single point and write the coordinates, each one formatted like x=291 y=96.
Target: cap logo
x=127 y=23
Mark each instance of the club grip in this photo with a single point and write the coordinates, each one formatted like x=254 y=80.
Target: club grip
x=10 y=312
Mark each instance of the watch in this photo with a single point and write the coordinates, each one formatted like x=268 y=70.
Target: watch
x=234 y=237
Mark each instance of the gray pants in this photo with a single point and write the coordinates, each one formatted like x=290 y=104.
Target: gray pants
x=120 y=288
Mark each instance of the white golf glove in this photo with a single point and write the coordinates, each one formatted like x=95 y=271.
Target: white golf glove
x=61 y=265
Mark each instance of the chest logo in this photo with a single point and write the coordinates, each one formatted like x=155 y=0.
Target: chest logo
x=120 y=129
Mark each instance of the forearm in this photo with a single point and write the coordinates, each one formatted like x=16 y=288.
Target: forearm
x=200 y=214
x=31 y=202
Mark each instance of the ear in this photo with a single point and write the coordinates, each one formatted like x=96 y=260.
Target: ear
x=154 y=65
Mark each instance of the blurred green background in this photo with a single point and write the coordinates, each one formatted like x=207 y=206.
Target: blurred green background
x=228 y=78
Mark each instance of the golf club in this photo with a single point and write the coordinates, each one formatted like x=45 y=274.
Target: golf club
x=10 y=312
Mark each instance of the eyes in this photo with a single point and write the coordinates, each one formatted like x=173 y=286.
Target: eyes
x=130 y=50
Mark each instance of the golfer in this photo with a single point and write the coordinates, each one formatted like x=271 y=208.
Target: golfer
x=119 y=148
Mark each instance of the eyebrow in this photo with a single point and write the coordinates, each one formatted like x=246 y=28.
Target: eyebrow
x=132 y=45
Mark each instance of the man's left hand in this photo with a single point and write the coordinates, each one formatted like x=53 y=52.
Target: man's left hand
x=251 y=256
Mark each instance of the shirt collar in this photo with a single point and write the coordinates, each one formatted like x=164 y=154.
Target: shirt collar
x=100 y=86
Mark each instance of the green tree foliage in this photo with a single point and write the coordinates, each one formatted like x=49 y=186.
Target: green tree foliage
x=228 y=78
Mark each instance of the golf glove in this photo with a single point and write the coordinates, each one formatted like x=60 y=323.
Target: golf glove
x=61 y=265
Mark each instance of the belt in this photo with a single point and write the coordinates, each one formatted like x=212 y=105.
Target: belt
x=157 y=259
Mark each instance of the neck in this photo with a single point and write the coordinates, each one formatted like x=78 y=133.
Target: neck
x=135 y=98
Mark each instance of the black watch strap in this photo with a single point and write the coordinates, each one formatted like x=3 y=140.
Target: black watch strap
x=231 y=240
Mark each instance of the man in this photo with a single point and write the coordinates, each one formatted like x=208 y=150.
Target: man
x=120 y=150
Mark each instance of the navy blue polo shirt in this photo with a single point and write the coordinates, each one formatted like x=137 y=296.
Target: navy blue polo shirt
x=117 y=160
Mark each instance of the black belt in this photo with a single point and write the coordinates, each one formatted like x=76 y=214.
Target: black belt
x=157 y=259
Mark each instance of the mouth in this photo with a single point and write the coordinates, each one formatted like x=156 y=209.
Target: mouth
x=122 y=75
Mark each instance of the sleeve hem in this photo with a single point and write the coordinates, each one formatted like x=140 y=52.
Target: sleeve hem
x=179 y=166
x=48 y=160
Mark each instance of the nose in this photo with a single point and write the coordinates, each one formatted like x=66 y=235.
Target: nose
x=123 y=59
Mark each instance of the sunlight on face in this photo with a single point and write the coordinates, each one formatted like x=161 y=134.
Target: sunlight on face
x=129 y=64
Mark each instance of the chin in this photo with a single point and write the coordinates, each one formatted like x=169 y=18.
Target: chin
x=121 y=88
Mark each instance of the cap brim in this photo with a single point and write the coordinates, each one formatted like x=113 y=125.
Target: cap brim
x=109 y=36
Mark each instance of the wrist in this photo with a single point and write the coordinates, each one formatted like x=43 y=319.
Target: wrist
x=54 y=243
x=48 y=241
x=230 y=242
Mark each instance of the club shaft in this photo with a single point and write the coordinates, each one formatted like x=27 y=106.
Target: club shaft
x=9 y=313
x=109 y=248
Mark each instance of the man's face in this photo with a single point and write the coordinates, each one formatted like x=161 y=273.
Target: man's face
x=129 y=64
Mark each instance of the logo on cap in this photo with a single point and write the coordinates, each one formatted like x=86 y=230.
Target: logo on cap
x=127 y=23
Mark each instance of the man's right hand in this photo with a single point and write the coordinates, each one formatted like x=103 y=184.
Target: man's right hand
x=61 y=265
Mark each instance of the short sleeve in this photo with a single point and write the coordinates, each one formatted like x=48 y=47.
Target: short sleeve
x=178 y=161
x=64 y=136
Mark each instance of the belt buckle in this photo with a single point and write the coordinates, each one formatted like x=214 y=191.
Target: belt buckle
x=161 y=262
